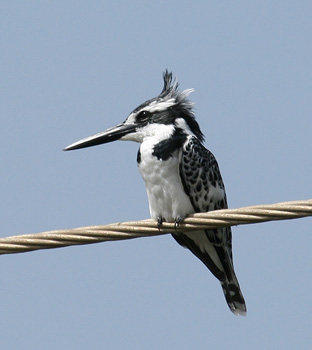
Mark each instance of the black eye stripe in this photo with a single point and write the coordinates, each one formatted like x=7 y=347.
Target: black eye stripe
x=143 y=116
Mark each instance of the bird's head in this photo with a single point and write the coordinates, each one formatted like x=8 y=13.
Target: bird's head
x=158 y=117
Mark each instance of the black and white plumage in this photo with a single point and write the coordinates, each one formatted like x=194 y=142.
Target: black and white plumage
x=181 y=177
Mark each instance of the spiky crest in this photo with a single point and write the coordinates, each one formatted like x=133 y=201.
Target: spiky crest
x=168 y=106
x=182 y=105
x=169 y=85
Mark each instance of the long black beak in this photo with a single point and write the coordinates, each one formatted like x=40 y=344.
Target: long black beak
x=109 y=135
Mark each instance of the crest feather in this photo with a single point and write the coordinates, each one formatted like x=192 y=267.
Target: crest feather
x=171 y=90
x=170 y=93
x=170 y=85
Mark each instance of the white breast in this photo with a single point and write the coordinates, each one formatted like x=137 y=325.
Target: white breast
x=165 y=192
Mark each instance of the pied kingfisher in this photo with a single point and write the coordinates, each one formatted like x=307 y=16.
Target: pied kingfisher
x=181 y=177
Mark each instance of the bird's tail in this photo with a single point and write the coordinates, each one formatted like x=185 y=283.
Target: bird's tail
x=218 y=259
x=234 y=296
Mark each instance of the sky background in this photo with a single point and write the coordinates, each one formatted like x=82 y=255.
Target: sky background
x=73 y=68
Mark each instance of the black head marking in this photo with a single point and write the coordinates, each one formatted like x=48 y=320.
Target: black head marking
x=179 y=106
x=143 y=117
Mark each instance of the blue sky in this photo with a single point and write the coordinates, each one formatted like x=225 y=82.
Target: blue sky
x=72 y=68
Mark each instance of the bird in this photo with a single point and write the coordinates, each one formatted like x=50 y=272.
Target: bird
x=181 y=177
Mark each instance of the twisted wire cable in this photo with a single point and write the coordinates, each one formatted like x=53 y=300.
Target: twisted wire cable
x=145 y=228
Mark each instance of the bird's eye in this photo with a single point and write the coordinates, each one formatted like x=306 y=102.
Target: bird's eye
x=143 y=115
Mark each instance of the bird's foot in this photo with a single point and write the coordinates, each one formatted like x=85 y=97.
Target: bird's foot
x=177 y=222
x=160 y=221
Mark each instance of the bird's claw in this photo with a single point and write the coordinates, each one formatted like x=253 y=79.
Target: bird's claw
x=160 y=221
x=177 y=222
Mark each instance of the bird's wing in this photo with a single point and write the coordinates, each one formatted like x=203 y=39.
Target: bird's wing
x=202 y=182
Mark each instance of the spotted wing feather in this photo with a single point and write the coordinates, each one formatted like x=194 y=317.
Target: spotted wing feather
x=202 y=181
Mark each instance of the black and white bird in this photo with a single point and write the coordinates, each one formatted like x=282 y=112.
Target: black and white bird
x=181 y=177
